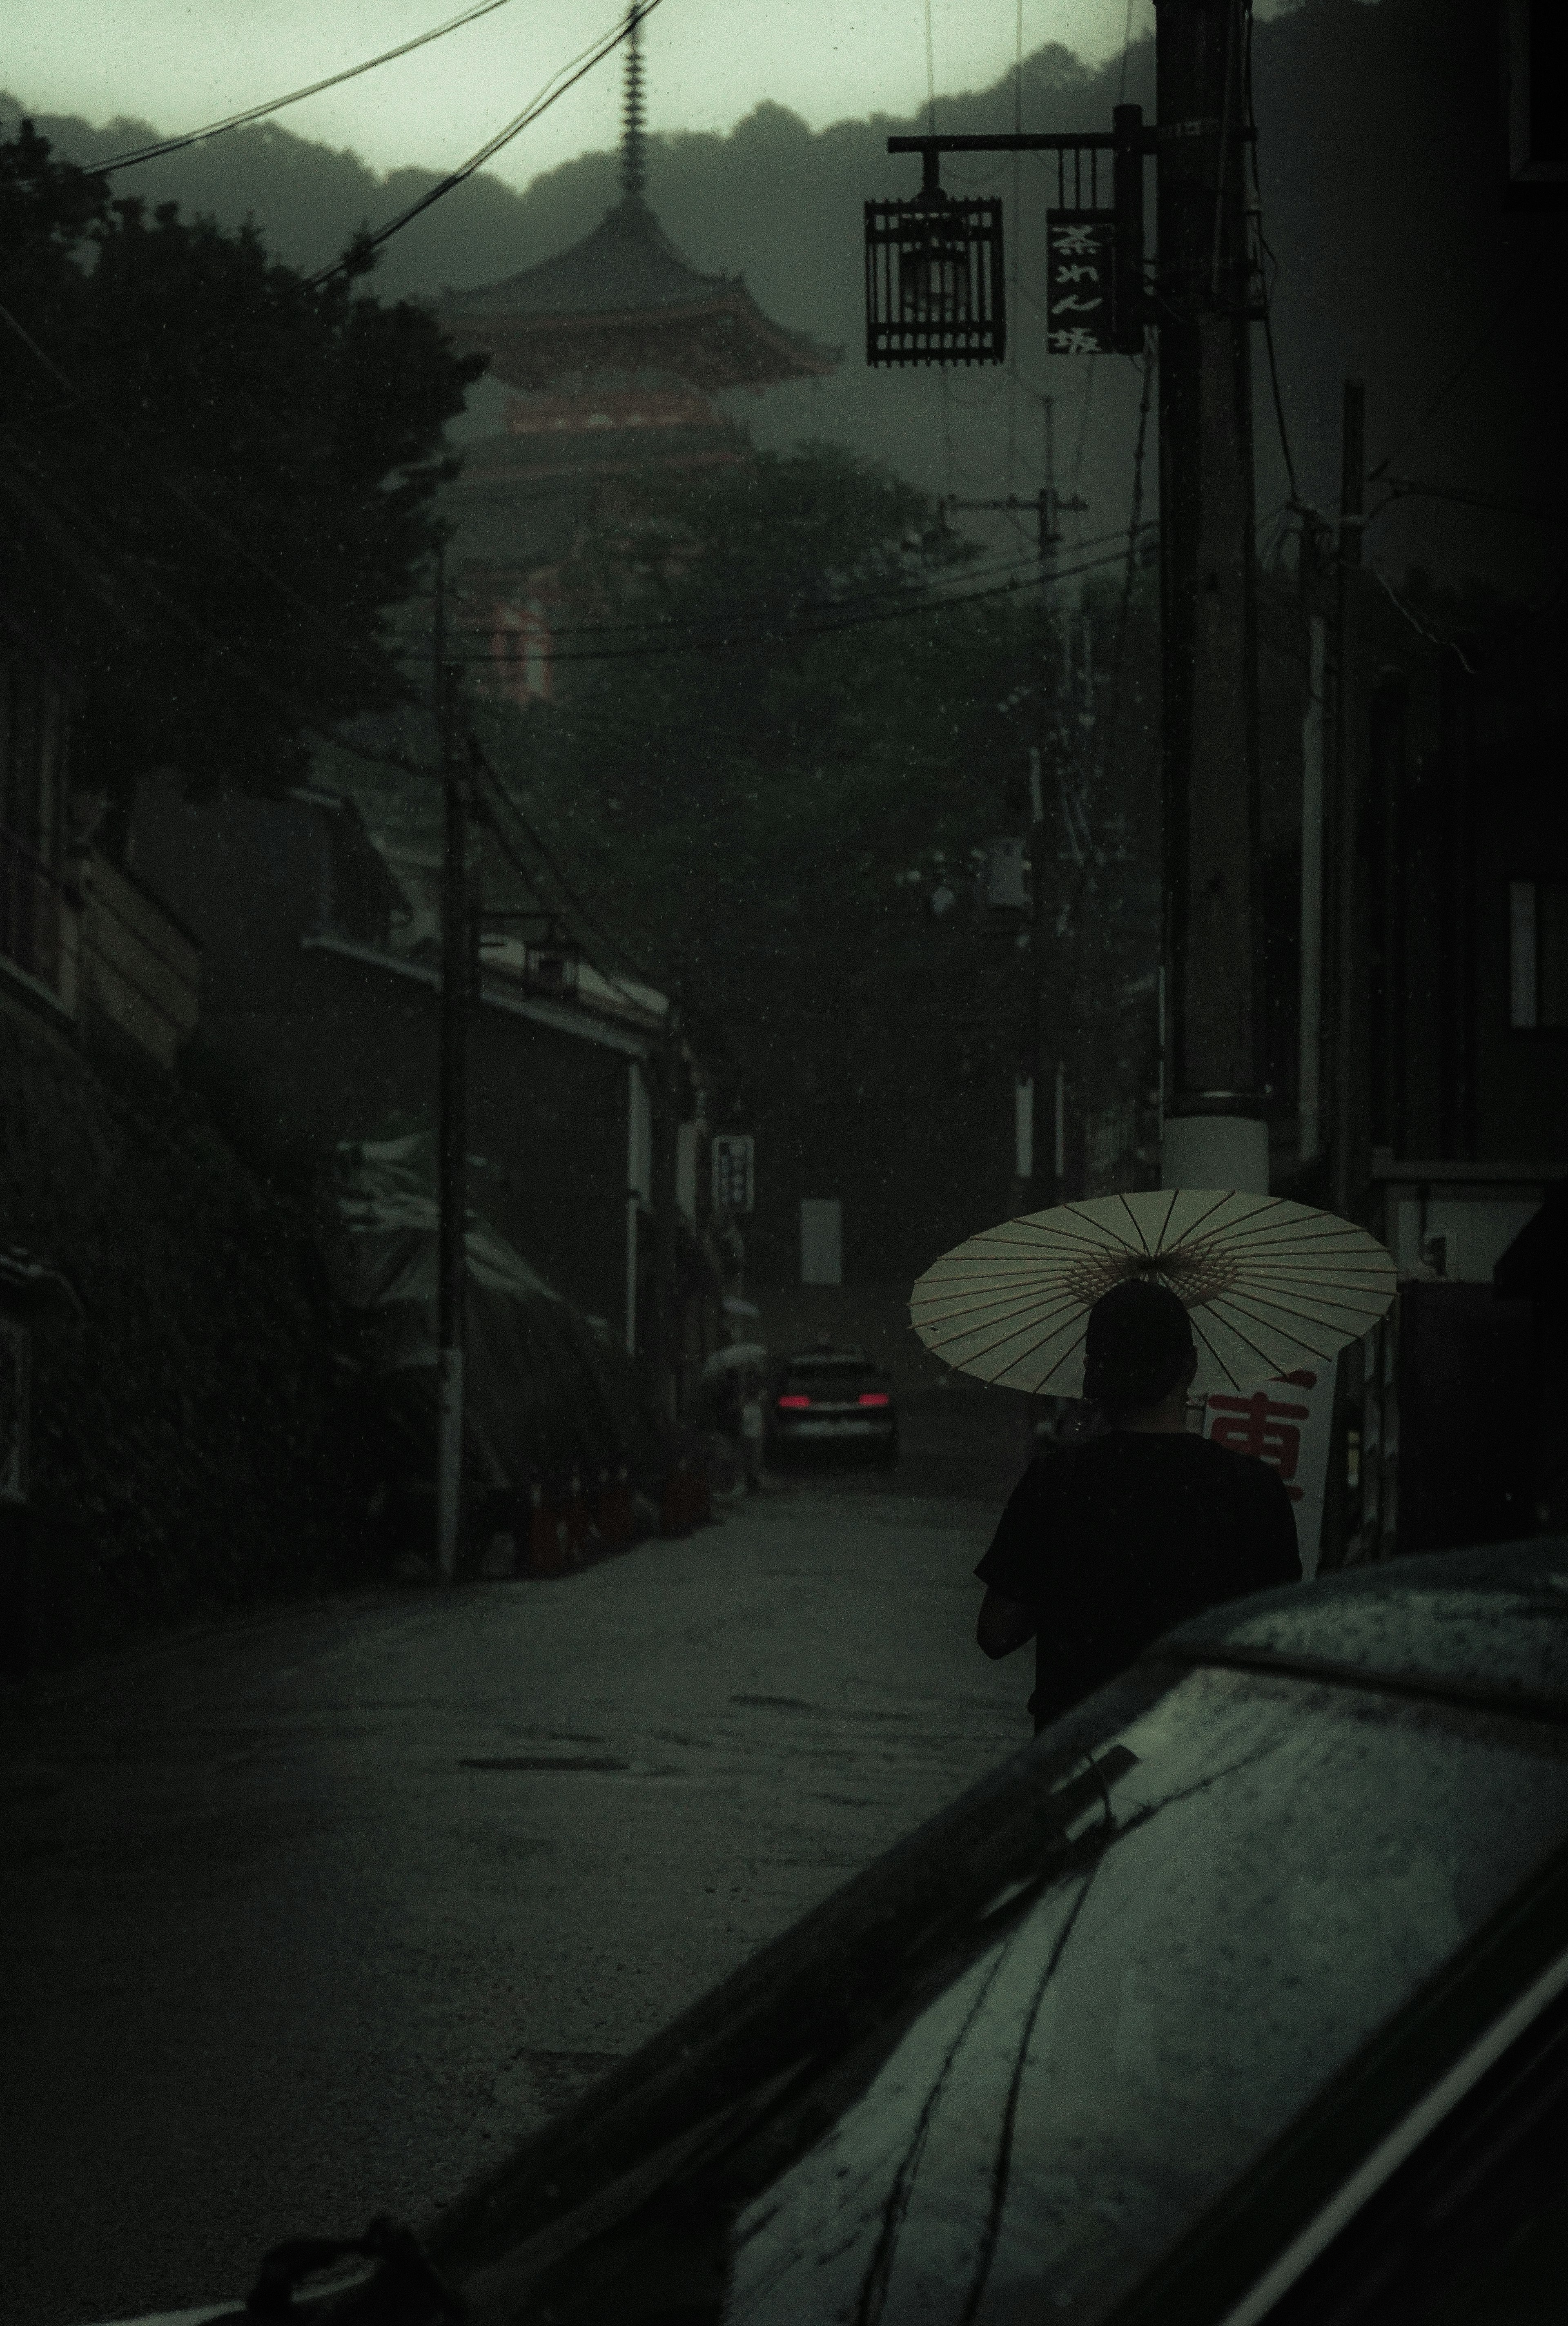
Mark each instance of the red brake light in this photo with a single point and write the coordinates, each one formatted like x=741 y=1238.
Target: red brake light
x=873 y=1396
x=793 y=1404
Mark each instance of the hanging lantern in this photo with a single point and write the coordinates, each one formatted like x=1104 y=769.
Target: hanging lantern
x=934 y=280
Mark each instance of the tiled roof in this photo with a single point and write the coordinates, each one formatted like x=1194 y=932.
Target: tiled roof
x=628 y=270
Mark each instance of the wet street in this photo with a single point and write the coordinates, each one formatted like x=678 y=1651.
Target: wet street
x=311 y=1915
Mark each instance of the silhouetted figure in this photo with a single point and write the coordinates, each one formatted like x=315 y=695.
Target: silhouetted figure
x=1110 y=1541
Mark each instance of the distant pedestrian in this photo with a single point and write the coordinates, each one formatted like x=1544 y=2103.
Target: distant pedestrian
x=1110 y=1541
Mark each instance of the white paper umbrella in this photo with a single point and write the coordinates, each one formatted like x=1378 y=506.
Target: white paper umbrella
x=733 y=1354
x=1270 y=1286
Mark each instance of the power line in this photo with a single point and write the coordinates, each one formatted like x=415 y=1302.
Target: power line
x=482 y=764
x=275 y=105
x=782 y=635
x=1268 y=283
x=929 y=73
x=908 y=593
x=554 y=88
x=1125 y=52
x=1083 y=429
x=1135 y=527
x=1448 y=385
x=1017 y=239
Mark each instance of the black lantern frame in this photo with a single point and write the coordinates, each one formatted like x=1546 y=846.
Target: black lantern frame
x=935 y=286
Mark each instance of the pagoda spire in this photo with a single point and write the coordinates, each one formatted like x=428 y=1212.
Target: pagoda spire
x=634 y=152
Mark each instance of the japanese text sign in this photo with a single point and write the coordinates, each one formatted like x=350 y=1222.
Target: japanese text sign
x=1287 y=1424
x=1080 y=271
x=734 y=1172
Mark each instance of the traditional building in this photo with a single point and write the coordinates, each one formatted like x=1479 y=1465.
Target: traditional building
x=615 y=350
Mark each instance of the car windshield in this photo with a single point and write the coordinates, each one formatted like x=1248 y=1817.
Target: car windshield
x=828 y=1369
x=1037 y=2117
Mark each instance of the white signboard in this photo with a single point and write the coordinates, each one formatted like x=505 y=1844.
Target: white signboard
x=734 y=1171
x=1079 y=263
x=822 y=1239
x=1288 y=1425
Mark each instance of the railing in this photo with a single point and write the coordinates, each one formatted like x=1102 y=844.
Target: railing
x=37 y=915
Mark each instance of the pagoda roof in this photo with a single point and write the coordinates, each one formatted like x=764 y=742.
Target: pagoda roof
x=625 y=299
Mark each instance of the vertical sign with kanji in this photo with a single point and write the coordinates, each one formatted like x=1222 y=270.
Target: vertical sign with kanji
x=1288 y=1424
x=1079 y=263
x=734 y=1172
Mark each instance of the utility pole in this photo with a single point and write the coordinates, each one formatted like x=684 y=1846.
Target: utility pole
x=452 y=1195
x=666 y=1337
x=1215 y=1116
x=1041 y=1086
x=1216 y=1129
x=1343 y=1026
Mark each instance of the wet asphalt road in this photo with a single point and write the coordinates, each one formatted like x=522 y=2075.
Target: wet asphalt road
x=310 y=1915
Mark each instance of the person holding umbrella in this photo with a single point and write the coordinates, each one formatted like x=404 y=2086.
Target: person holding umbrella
x=1110 y=1541
x=1130 y=1302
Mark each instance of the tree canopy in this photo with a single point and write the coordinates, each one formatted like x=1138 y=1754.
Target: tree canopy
x=791 y=711
x=248 y=458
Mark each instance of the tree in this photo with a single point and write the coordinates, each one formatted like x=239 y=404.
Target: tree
x=767 y=816
x=250 y=459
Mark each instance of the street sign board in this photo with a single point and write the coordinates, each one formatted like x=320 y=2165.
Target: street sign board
x=822 y=1239
x=734 y=1171
x=1080 y=276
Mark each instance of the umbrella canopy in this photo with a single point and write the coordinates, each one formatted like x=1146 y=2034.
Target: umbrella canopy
x=1269 y=1285
x=735 y=1354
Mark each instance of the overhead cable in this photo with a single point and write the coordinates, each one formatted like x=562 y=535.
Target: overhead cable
x=1279 y=420
x=156 y=151
x=1135 y=527
x=496 y=782
x=555 y=87
x=1449 y=384
x=784 y=635
x=899 y=593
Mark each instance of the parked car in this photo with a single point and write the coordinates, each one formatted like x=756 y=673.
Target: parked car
x=826 y=1400
x=1239 y=1997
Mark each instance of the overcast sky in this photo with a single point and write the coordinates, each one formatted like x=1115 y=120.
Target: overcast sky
x=178 y=63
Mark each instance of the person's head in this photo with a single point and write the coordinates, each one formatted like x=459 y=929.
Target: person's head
x=1139 y=1358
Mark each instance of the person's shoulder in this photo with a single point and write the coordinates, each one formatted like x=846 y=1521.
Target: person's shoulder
x=1049 y=1464
x=1243 y=1473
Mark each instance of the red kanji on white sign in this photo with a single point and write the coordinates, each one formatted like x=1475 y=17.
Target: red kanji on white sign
x=1287 y=1424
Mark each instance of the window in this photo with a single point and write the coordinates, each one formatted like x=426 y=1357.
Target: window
x=1538 y=953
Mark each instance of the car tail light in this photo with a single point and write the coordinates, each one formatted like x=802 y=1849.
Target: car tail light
x=792 y=1404
x=873 y=1396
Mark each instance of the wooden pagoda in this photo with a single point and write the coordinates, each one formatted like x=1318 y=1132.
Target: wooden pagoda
x=615 y=350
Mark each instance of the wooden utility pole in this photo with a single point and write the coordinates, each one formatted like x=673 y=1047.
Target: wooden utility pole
x=1040 y=1095
x=1215 y=1117
x=452 y=1194
x=665 y=1338
x=1344 y=1029
x=1216 y=1132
